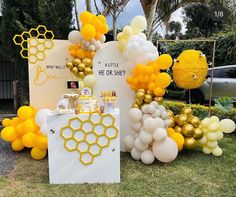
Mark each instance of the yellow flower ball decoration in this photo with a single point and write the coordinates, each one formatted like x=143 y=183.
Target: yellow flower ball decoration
x=149 y=77
x=22 y=132
x=190 y=69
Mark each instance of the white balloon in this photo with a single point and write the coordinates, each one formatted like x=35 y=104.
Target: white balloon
x=150 y=125
x=145 y=116
x=167 y=123
x=156 y=114
x=145 y=109
x=164 y=115
x=145 y=137
x=159 y=123
x=215 y=119
x=135 y=154
x=151 y=109
x=75 y=37
x=212 y=136
x=159 y=134
x=166 y=150
x=139 y=145
x=136 y=126
x=205 y=122
x=227 y=125
x=206 y=150
x=89 y=80
x=213 y=126
x=220 y=135
x=202 y=141
x=211 y=144
x=129 y=142
x=217 y=151
x=135 y=114
x=103 y=38
x=142 y=36
x=154 y=103
x=147 y=157
x=97 y=45
x=91 y=48
x=41 y=116
x=138 y=24
x=161 y=108
x=43 y=129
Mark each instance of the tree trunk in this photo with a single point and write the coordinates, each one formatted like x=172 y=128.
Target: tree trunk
x=114 y=26
x=88 y=5
x=150 y=19
x=76 y=14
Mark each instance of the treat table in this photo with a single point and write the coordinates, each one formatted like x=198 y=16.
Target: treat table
x=84 y=148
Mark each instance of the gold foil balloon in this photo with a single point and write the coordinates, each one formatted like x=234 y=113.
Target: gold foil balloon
x=182 y=119
x=81 y=66
x=187 y=130
x=75 y=70
x=87 y=71
x=187 y=111
x=141 y=90
x=81 y=75
x=87 y=62
x=148 y=98
x=140 y=95
x=170 y=113
x=69 y=65
x=172 y=122
x=135 y=105
x=76 y=61
x=197 y=133
x=159 y=99
x=139 y=101
x=195 y=121
x=190 y=143
x=178 y=129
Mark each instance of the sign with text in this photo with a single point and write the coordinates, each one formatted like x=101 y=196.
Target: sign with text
x=111 y=70
x=48 y=78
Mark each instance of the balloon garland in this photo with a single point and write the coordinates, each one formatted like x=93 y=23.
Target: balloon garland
x=22 y=131
x=85 y=43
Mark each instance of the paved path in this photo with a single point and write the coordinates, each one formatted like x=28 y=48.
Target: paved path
x=7 y=158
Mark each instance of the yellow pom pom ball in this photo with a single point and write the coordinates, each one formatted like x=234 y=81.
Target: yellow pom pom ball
x=17 y=145
x=37 y=153
x=29 y=126
x=163 y=80
x=88 y=32
x=6 y=122
x=29 y=139
x=164 y=61
x=86 y=17
x=25 y=112
x=9 y=134
x=42 y=142
x=178 y=138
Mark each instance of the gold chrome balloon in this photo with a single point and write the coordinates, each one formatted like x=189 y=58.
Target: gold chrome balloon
x=170 y=113
x=140 y=95
x=197 y=133
x=75 y=69
x=135 y=105
x=190 y=143
x=176 y=118
x=81 y=66
x=76 y=61
x=187 y=111
x=87 y=62
x=195 y=121
x=172 y=122
x=141 y=90
x=139 y=101
x=81 y=75
x=182 y=119
x=148 y=98
x=187 y=130
x=69 y=65
x=178 y=129
x=159 y=100
x=87 y=71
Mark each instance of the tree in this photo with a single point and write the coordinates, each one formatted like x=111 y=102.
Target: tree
x=175 y=28
x=21 y=15
x=199 y=22
x=114 y=8
x=88 y=5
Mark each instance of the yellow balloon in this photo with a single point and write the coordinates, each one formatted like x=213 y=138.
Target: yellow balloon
x=6 y=122
x=163 y=80
x=102 y=18
x=120 y=36
x=97 y=25
x=9 y=134
x=170 y=131
x=164 y=61
x=29 y=126
x=25 y=112
x=42 y=142
x=37 y=153
x=127 y=31
x=159 y=91
x=29 y=139
x=86 y=17
x=19 y=129
x=104 y=28
x=15 y=121
x=178 y=138
x=17 y=145
x=88 y=32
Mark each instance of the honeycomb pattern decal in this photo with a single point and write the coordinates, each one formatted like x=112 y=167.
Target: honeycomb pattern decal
x=34 y=43
x=88 y=135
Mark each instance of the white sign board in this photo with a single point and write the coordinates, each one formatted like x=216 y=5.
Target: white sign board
x=111 y=71
x=66 y=151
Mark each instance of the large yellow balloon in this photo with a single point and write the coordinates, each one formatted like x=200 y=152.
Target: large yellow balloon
x=104 y=28
x=42 y=142
x=159 y=91
x=178 y=138
x=190 y=69
x=88 y=32
x=37 y=153
x=86 y=17
x=102 y=18
x=9 y=134
x=17 y=145
x=25 y=112
x=163 y=80
x=6 y=122
x=164 y=61
x=97 y=25
x=29 y=140
x=15 y=121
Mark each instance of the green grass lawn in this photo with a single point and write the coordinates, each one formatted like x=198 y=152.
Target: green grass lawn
x=191 y=174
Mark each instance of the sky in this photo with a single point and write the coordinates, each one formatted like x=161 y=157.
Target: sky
x=132 y=9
